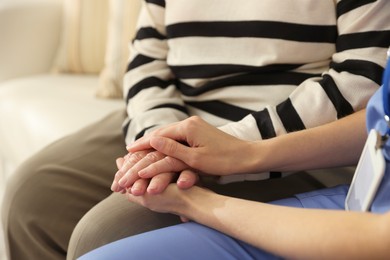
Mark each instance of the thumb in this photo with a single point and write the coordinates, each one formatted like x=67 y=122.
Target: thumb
x=170 y=147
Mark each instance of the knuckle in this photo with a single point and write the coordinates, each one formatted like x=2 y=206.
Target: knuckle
x=131 y=160
x=155 y=132
x=194 y=118
x=171 y=162
x=171 y=148
x=194 y=159
x=192 y=123
x=153 y=156
x=118 y=175
x=135 y=157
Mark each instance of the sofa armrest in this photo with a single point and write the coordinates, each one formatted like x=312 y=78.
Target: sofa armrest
x=30 y=32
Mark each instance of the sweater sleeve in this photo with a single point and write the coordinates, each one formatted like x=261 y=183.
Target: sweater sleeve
x=354 y=74
x=152 y=98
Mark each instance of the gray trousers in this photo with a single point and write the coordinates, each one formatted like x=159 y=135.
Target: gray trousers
x=58 y=204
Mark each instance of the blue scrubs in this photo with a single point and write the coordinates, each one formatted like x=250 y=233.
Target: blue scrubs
x=195 y=241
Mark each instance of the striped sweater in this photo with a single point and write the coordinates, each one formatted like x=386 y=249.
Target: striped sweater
x=254 y=68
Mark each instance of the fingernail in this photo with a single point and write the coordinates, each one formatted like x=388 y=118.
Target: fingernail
x=136 y=190
x=122 y=182
x=182 y=184
x=152 y=189
x=182 y=181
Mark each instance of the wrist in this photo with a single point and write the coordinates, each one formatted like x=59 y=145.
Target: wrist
x=196 y=202
x=258 y=157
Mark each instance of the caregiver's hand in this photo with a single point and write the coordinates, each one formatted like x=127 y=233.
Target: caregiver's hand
x=206 y=149
x=172 y=200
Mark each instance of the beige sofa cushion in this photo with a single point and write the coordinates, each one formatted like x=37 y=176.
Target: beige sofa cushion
x=36 y=110
x=121 y=30
x=84 y=34
x=95 y=39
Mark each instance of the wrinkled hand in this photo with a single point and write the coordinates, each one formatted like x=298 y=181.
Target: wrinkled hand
x=124 y=164
x=127 y=177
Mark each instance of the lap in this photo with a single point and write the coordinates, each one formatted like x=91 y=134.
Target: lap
x=112 y=219
x=184 y=241
x=115 y=218
x=329 y=198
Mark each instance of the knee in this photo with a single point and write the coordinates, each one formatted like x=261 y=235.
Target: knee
x=112 y=219
x=31 y=213
x=36 y=199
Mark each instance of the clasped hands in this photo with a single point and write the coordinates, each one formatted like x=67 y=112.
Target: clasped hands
x=178 y=151
x=132 y=175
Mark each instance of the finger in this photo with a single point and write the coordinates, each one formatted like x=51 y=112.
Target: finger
x=115 y=187
x=170 y=131
x=132 y=174
x=132 y=158
x=167 y=164
x=133 y=198
x=129 y=162
x=187 y=179
x=123 y=164
x=171 y=148
x=160 y=182
x=142 y=143
x=139 y=187
x=184 y=219
x=118 y=175
x=119 y=162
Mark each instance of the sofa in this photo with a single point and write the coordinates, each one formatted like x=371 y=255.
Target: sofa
x=44 y=96
x=61 y=69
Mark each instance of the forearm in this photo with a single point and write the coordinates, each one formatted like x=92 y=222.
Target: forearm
x=291 y=232
x=335 y=144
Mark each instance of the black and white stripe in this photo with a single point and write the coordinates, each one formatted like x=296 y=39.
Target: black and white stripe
x=254 y=29
x=276 y=65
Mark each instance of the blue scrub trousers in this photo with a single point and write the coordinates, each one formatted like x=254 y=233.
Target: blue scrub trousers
x=195 y=241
